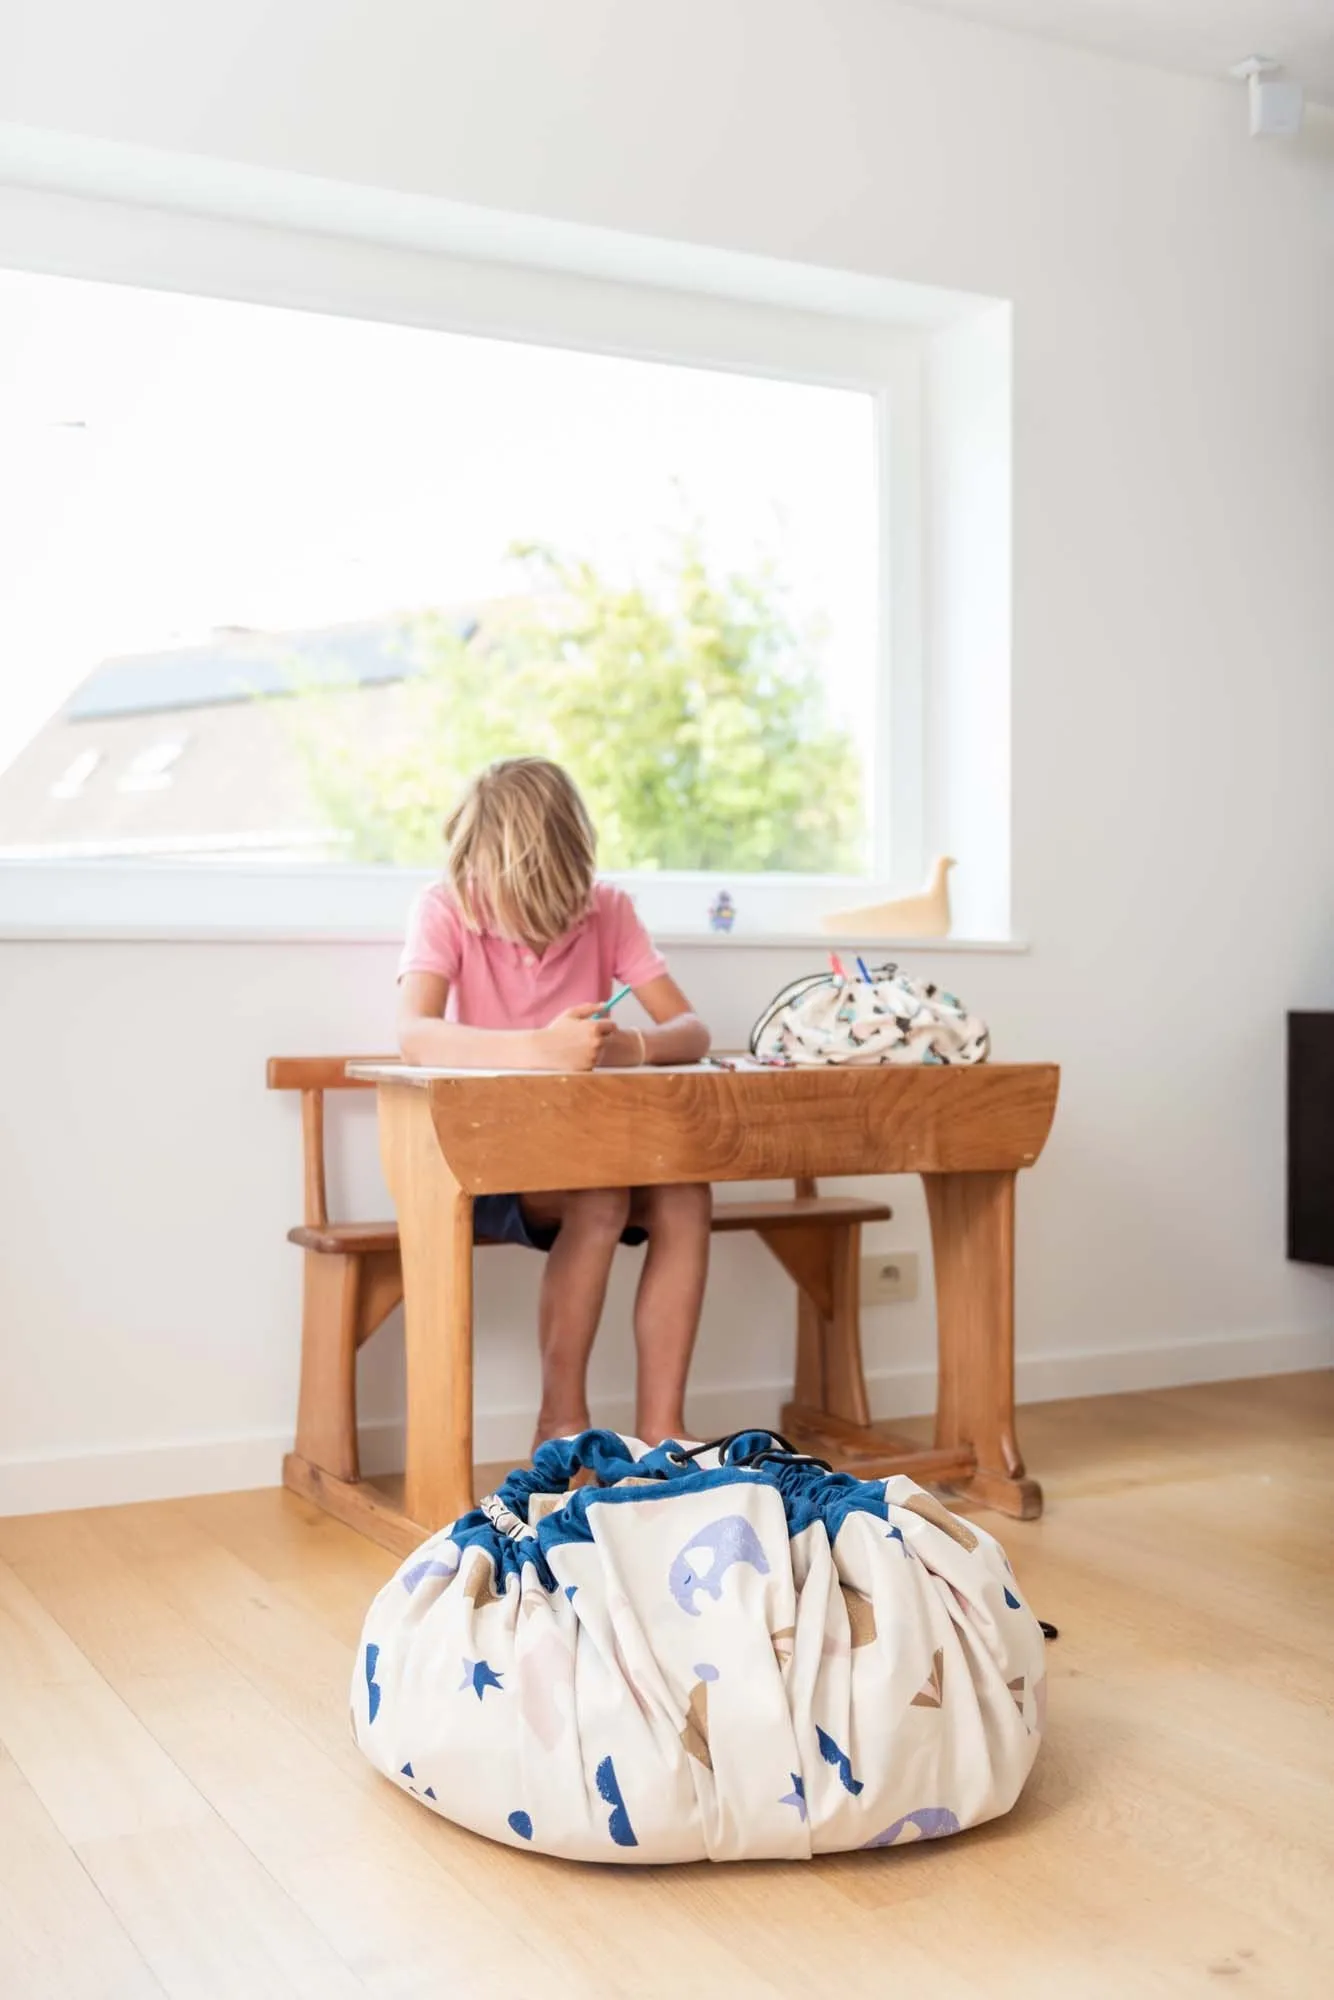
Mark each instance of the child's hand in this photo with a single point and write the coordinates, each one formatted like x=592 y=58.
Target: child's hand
x=623 y=1049
x=575 y=1040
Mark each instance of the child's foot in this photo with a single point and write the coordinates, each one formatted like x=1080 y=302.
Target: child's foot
x=558 y=1427
x=653 y=1432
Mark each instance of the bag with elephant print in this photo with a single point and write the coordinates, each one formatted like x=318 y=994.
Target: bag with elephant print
x=717 y=1653
x=888 y=1018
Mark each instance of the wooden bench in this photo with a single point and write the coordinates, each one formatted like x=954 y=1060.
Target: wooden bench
x=353 y=1280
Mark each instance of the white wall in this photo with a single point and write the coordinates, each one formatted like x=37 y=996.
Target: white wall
x=968 y=562
x=1173 y=611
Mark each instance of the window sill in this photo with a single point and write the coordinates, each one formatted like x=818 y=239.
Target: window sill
x=844 y=944
x=172 y=903
x=138 y=933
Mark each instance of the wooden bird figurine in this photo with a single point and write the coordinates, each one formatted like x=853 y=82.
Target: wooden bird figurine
x=924 y=915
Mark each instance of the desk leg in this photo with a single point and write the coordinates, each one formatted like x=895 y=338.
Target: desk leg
x=435 y=1236
x=972 y=1233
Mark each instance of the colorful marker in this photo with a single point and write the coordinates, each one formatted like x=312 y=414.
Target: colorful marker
x=861 y=967
x=836 y=966
x=614 y=1001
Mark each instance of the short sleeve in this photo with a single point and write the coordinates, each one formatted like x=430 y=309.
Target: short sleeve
x=433 y=941
x=636 y=959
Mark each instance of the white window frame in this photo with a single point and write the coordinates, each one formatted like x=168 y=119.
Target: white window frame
x=276 y=265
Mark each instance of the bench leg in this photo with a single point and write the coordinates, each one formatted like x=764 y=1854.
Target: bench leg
x=326 y=1422
x=829 y=1414
x=435 y=1237
x=380 y=1290
x=972 y=1234
x=825 y=1266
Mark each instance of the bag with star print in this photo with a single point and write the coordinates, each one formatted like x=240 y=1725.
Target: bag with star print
x=888 y=1018
x=722 y=1653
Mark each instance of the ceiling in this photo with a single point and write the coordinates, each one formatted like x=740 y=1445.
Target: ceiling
x=1198 y=37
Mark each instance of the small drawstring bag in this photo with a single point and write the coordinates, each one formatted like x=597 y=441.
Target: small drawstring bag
x=888 y=1018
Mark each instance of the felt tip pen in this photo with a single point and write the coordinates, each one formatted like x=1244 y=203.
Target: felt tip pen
x=614 y=1001
x=861 y=967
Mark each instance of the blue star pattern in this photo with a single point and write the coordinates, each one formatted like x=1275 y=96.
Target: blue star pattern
x=479 y=1677
x=840 y=1760
x=1010 y=1598
x=896 y=1535
x=520 y=1823
x=797 y=1796
x=372 y=1688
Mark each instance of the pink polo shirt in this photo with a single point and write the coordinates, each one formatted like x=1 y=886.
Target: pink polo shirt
x=496 y=984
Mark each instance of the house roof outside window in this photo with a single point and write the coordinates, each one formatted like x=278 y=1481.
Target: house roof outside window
x=193 y=753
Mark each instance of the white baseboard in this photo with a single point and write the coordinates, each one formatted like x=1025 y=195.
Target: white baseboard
x=1232 y=1357
x=51 y=1482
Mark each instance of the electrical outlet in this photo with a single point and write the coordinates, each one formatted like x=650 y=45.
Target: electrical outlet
x=889 y=1278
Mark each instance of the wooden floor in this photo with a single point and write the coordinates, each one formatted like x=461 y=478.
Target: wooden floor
x=182 y=1810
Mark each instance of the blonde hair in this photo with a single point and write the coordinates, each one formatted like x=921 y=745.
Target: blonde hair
x=522 y=851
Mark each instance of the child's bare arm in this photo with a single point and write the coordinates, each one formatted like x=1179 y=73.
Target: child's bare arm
x=573 y=1041
x=677 y=1036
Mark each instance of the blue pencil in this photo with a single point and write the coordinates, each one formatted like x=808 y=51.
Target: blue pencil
x=614 y=1001
x=861 y=967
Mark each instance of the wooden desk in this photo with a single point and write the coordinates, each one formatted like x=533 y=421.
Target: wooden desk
x=448 y=1136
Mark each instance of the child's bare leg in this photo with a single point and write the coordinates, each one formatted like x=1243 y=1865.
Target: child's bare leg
x=671 y=1292
x=574 y=1286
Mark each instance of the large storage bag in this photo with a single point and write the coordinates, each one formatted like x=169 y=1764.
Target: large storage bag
x=724 y=1655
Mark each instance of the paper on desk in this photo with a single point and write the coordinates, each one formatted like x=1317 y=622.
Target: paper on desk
x=716 y=1066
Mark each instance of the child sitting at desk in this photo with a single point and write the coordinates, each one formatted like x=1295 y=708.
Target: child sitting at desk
x=506 y=966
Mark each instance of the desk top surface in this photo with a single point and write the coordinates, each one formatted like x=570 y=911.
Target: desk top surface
x=512 y=1131
x=720 y=1069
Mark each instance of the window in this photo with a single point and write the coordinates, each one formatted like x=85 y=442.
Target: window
x=76 y=775
x=330 y=561
x=150 y=770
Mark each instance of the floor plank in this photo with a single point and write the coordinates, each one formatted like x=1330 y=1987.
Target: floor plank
x=209 y=1920
x=94 y=1767
x=58 y=1936
x=181 y=1780
x=198 y=1906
